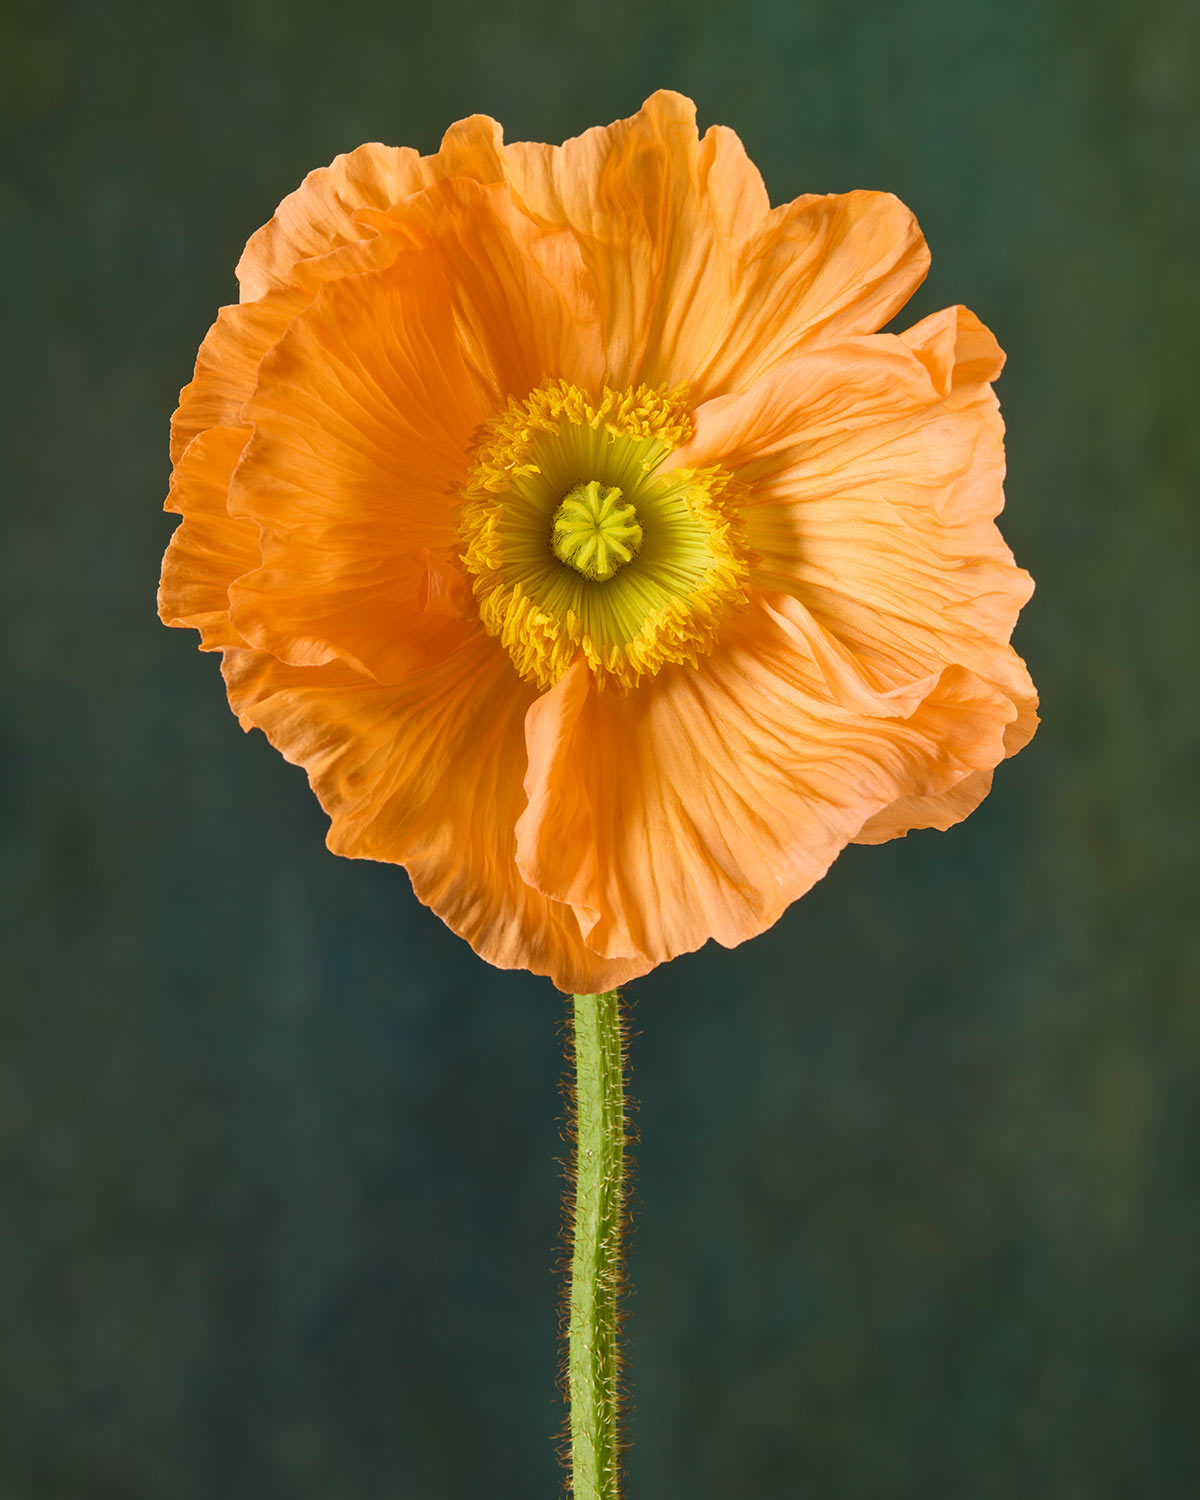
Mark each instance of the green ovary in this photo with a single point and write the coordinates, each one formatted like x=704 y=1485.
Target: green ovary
x=595 y=530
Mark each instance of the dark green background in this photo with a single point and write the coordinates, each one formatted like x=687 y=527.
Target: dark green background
x=919 y=1210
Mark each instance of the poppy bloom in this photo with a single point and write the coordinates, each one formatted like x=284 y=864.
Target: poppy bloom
x=562 y=512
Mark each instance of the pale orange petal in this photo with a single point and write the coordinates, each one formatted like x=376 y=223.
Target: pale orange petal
x=941 y=812
x=704 y=803
x=823 y=268
x=660 y=217
x=524 y=306
x=427 y=774
x=956 y=349
x=320 y=232
x=320 y=215
x=228 y=360
x=211 y=548
x=808 y=404
x=472 y=148
x=850 y=683
x=875 y=468
x=314 y=237
x=697 y=279
x=364 y=417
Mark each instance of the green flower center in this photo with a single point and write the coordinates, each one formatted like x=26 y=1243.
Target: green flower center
x=595 y=530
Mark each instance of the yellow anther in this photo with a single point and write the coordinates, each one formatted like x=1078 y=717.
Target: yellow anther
x=595 y=530
x=631 y=568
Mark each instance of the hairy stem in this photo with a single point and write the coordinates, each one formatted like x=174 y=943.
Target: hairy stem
x=597 y=1268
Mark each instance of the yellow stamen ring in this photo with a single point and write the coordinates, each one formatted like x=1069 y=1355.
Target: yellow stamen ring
x=577 y=545
x=596 y=531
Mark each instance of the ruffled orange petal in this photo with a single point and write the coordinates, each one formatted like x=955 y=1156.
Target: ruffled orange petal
x=322 y=214
x=843 y=673
x=941 y=812
x=228 y=360
x=211 y=548
x=363 y=419
x=697 y=279
x=523 y=303
x=705 y=803
x=364 y=416
x=319 y=216
x=651 y=205
x=876 y=467
x=427 y=774
x=823 y=268
x=321 y=231
x=660 y=217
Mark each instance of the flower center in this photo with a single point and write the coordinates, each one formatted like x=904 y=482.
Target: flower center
x=596 y=530
x=581 y=541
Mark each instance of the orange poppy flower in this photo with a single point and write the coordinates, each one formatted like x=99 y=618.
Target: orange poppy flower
x=560 y=510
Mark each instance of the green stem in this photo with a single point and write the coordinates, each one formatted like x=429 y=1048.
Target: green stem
x=597 y=1270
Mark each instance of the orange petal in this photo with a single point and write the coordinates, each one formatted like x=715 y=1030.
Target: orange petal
x=849 y=682
x=523 y=303
x=211 y=548
x=697 y=279
x=660 y=217
x=819 y=396
x=364 y=418
x=427 y=774
x=320 y=215
x=228 y=360
x=822 y=269
x=876 y=467
x=956 y=349
x=941 y=812
x=706 y=802
x=320 y=232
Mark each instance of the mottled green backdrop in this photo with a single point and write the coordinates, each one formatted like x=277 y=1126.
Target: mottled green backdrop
x=918 y=1189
